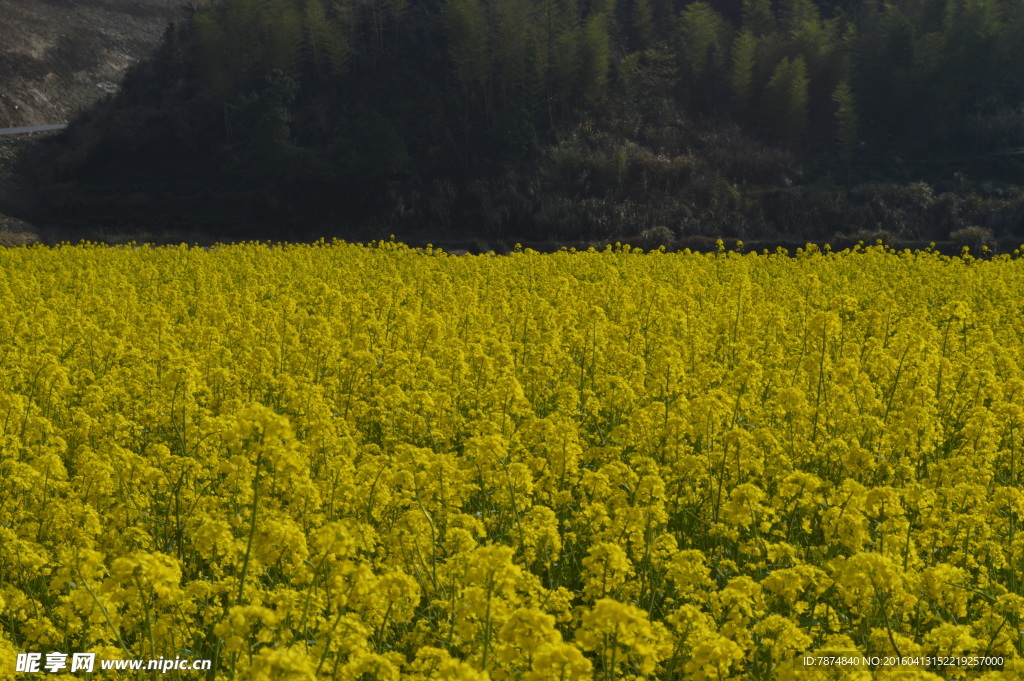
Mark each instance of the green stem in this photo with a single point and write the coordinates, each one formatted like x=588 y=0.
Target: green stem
x=252 y=530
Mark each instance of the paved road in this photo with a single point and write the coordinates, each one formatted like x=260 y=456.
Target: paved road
x=32 y=128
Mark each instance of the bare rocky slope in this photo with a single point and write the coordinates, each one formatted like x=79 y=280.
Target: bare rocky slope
x=57 y=57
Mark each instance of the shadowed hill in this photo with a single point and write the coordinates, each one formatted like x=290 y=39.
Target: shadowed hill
x=560 y=120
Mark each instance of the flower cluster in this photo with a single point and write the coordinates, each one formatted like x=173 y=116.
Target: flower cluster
x=375 y=462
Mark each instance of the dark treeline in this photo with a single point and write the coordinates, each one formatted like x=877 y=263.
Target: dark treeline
x=562 y=119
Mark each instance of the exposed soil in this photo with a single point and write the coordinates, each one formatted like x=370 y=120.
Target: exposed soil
x=57 y=57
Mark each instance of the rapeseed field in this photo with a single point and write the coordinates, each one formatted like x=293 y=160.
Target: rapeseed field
x=337 y=461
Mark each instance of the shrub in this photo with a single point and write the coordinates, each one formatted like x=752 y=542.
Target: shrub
x=973 y=237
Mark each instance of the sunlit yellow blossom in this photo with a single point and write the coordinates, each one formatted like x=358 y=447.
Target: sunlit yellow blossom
x=351 y=462
x=559 y=662
x=287 y=664
x=621 y=634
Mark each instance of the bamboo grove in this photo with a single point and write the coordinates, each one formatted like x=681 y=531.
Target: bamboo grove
x=901 y=73
x=564 y=120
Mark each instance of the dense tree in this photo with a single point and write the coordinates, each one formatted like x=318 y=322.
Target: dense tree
x=797 y=13
x=786 y=99
x=643 y=23
x=388 y=104
x=515 y=48
x=326 y=41
x=595 y=57
x=846 y=119
x=702 y=36
x=920 y=70
x=283 y=31
x=741 y=76
x=758 y=17
x=468 y=37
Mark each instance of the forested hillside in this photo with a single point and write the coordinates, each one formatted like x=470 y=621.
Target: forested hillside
x=562 y=120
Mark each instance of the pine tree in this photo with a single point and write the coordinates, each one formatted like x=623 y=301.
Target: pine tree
x=558 y=53
x=339 y=52
x=396 y=9
x=467 y=36
x=1011 y=44
x=283 y=36
x=787 y=97
x=741 y=76
x=327 y=45
x=701 y=33
x=758 y=17
x=815 y=41
x=515 y=36
x=565 y=64
x=211 y=56
x=240 y=20
x=595 y=57
x=317 y=30
x=643 y=23
x=326 y=41
x=846 y=119
x=795 y=13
